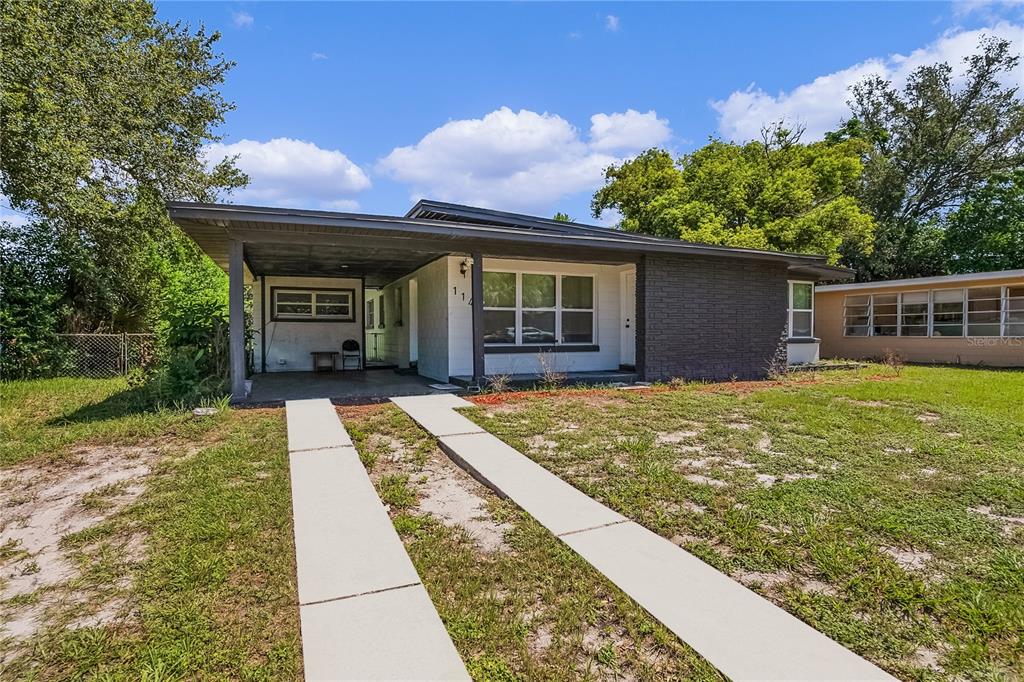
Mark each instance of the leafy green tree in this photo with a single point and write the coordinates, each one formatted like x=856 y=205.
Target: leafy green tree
x=29 y=304
x=776 y=193
x=105 y=111
x=987 y=231
x=929 y=145
x=563 y=217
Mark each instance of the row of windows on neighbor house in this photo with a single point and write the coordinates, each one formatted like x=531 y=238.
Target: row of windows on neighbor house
x=976 y=311
x=530 y=308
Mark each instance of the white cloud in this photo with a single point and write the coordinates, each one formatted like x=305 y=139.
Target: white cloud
x=820 y=104
x=990 y=9
x=318 y=56
x=611 y=23
x=630 y=130
x=575 y=35
x=521 y=161
x=287 y=172
x=241 y=19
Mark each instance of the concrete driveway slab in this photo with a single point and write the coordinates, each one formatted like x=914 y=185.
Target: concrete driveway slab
x=435 y=413
x=393 y=635
x=554 y=503
x=345 y=543
x=744 y=635
x=314 y=424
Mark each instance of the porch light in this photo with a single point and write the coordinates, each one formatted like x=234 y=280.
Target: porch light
x=465 y=265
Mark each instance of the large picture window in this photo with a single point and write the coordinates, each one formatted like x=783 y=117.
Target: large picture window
x=538 y=309
x=324 y=305
x=972 y=312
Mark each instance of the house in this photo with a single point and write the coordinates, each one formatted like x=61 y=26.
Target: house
x=458 y=292
x=972 y=319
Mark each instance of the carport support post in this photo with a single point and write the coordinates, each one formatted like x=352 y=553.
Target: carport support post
x=236 y=318
x=477 y=294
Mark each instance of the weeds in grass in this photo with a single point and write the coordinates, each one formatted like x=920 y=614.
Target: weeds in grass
x=499 y=383
x=892 y=361
x=879 y=527
x=551 y=377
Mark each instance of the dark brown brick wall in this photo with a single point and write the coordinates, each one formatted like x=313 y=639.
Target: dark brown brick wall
x=708 y=318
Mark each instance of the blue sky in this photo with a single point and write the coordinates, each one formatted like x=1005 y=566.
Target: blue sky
x=520 y=105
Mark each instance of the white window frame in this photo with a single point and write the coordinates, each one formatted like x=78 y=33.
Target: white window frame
x=558 y=309
x=312 y=316
x=803 y=310
x=867 y=326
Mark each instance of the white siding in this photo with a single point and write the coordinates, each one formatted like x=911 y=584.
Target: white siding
x=292 y=341
x=607 y=334
x=432 y=322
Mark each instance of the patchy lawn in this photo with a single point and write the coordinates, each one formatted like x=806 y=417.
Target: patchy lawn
x=886 y=511
x=142 y=544
x=517 y=602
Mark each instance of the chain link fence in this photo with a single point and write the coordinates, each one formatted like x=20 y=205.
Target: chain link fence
x=107 y=355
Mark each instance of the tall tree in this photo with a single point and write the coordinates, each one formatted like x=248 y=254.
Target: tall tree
x=104 y=111
x=987 y=231
x=776 y=193
x=929 y=145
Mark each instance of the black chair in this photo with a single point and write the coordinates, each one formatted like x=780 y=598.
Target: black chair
x=350 y=351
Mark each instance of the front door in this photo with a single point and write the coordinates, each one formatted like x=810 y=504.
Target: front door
x=627 y=319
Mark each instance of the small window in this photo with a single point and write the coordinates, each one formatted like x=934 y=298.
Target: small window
x=856 y=315
x=577 y=309
x=327 y=305
x=369 y=314
x=1015 y=311
x=884 y=314
x=538 y=309
x=984 y=311
x=914 y=313
x=801 y=309
x=948 y=312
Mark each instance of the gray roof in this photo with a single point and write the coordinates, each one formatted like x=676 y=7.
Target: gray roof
x=927 y=281
x=432 y=228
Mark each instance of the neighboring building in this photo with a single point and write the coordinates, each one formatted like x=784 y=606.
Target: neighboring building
x=974 y=319
x=463 y=292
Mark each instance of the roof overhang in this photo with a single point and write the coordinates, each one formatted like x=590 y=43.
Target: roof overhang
x=966 y=278
x=286 y=240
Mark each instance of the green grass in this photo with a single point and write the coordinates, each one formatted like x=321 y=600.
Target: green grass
x=46 y=416
x=874 y=529
x=210 y=592
x=532 y=610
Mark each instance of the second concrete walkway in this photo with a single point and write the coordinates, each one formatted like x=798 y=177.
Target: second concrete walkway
x=742 y=634
x=364 y=613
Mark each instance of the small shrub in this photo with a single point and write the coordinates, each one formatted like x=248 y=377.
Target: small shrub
x=551 y=378
x=893 y=361
x=778 y=363
x=499 y=383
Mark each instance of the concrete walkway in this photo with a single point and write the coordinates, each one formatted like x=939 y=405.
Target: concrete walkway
x=364 y=613
x=742 y=634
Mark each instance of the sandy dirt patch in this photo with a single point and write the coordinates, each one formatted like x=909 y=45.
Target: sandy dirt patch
x=908 y=559
x=928 y=417
x=541 y=443
x=675 y=437
x=452 y=497
x=1010 y=523
x=47 y=502
x=705 y=480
